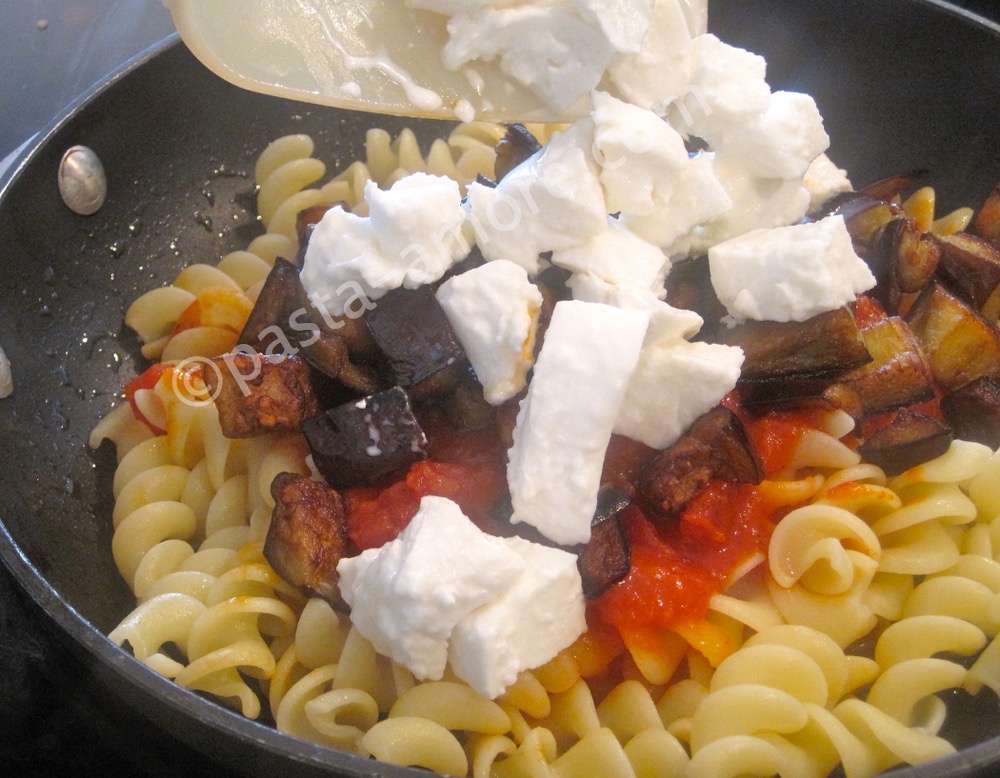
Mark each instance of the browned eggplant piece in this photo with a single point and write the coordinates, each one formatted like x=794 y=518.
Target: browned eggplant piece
x=466 y=407
x=970 y=266
x=801 y=394
x=255 y=393
x=689 y=286
x=824 y=345
x=308 y=218
x=517 y=145
x=606 y=559
x=410 y=329
x=974 y=411
x=898 y=374
x=363 y=440
x=987 y=221
x=960 y=344
x=909 y=439
x=715 y=448
x=268 y=329
x=283 y=321
x=903 y=261
x=863 y=214
x=308 y=535
x=894 y=186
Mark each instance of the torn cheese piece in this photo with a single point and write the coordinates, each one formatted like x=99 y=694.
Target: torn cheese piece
x=565 y=422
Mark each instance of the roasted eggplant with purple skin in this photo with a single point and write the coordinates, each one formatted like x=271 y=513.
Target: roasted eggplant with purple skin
x=421 y=350
x=970 y=266
x=909 y=439
x=363 y=440
x=820 y=394
x=974 y=411
x=307 y=536
x=606 y=559
x=516 y=146
x=987 y=220
x=903 y=260
x=960 y=344
x=827 y=344
x=255 y=394
x=898 y=374
x=715 y=448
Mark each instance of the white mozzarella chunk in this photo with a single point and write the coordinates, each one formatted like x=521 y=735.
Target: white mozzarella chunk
x=640 y=155
x=412 y=237
x=565 y=421
x=618 y=257
x=727 y=89
x=666 y=323
x=407 y=596
x=551 y=201
x=537 y=46
x=789 y=273
x=782 y=141
x=757 y=203
x=675 y=383
x=661 y=71
x=493 y=310
x=697 y=198
x=823 y=180
x=537 y=617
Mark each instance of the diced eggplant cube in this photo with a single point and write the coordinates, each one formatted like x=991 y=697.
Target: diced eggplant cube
x=987 y=221
x=606 y=559
x=898 y=374
x=960 y=344
x=516 y=146
x=909 y=439
x=308 y=535
x=715 y=448
x=413 y=334
x=821 y=394
x=255 y=394
x=824 y=345
x=363 y=440
x=970 y=265
x=267 y=329
x=974 y=412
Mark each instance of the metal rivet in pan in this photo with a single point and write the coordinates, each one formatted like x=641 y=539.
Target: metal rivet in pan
x=82 y=183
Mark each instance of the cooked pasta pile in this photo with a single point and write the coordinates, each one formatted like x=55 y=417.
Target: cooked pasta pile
x=776 y=678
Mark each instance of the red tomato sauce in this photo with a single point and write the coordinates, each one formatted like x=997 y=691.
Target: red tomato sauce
x=676 y=566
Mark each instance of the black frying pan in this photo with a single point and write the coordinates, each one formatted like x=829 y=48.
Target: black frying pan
x=903 y=84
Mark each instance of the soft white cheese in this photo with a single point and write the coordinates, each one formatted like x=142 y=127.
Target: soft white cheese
x=412 y=235
x=823 y=180
x=640 y=155
x=757 y=203
x=665 y=321
x=659 y=73
x=674 y=383
x=564 y=424
x=559 y=50
x=493 y=310
x=782 y=141
x=537 y=617
x=789 y=273
x=727 y=89
x=618 y=257
x=697 y=198
x=407 y=596
x=551 y=201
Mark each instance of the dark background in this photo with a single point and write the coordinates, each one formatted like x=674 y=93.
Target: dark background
x=52 y=721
